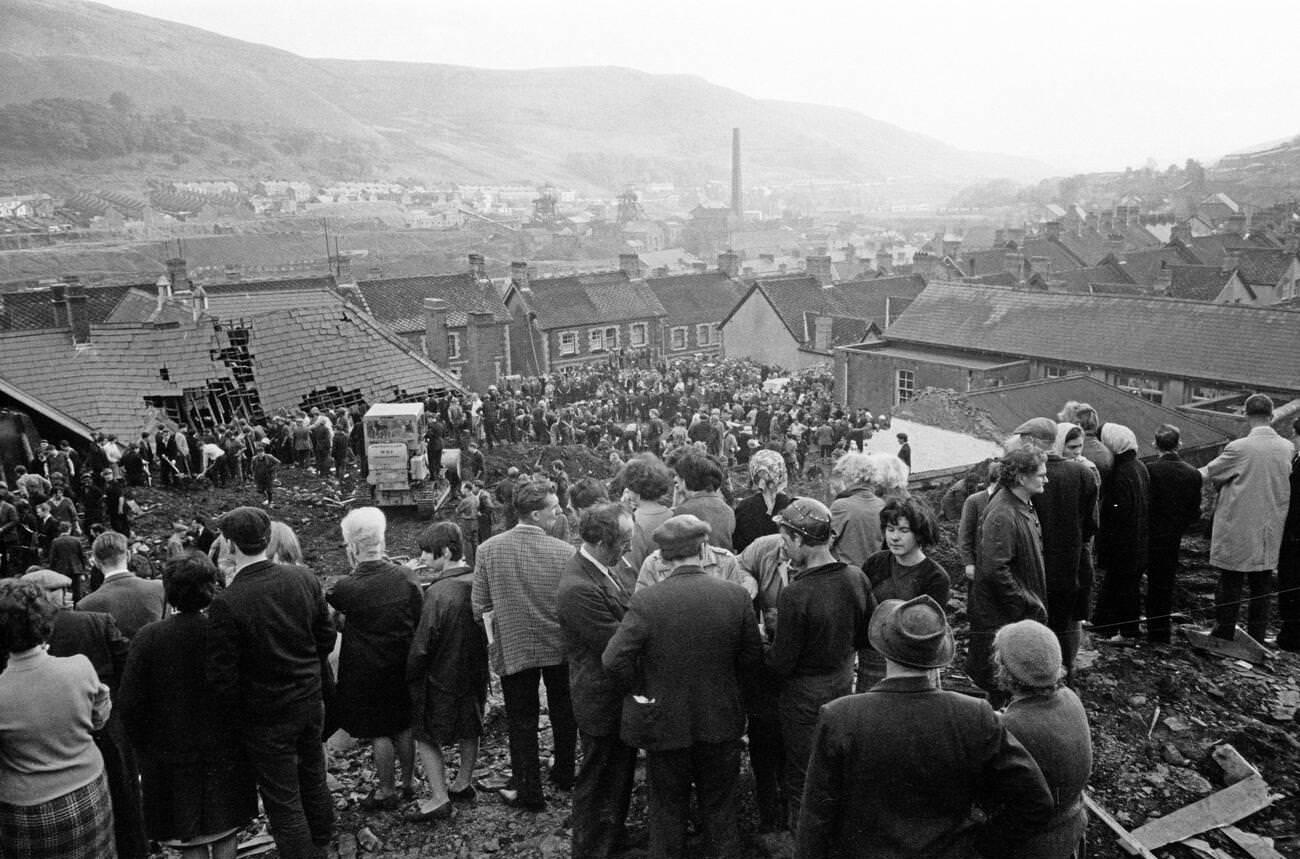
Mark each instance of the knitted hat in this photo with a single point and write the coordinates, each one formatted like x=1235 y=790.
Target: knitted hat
x=914 y=632
x=1029 y=652
x=767 y=466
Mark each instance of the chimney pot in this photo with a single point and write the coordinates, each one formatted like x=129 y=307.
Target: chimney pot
x=178 y=275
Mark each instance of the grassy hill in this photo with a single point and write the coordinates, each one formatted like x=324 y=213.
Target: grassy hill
x=598 y=127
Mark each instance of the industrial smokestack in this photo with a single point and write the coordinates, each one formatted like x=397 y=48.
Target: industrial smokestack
x=737 y=196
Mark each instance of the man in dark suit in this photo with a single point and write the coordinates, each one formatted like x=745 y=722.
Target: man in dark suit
x=68 y=558
x=1175 y=503
x=682 y=646
x=131 y=600
x=270 y=629
x=593 y=597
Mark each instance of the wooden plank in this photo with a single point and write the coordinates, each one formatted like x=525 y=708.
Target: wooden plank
x=1131 y=845
x=1218 y=809
x=1256 y=845
x=1242 y=647
x=1235 y=767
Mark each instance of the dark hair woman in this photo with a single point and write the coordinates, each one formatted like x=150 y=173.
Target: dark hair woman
x=198 y=793
x=54 y=800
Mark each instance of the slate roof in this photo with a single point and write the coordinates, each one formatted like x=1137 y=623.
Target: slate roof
x=1011 y=405
x=1197 y=282
x=1209 y=250
x=1081 y=279
x=795 y=296
x=294 y=352
x=1144 y=266
x=1061 y=256
x=31 y=309
x=845 y=331
x=1234 y=344
x=1263 y=266
x=691 y=299
x=591 y=299
x=399 y=301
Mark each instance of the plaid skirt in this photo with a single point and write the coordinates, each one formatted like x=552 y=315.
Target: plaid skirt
x=77 y=825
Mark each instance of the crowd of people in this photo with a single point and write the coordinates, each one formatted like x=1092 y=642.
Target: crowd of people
x=666 y=612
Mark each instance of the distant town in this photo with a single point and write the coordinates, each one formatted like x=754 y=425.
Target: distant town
x=467 y=286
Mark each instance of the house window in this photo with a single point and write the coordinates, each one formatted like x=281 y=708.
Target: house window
x=453 y=345
x=1144 y=386
x=702 y=332
x=677 y=337
x=568 y=342
x=1054 y=371
x=638 y=338
x=611 y=338
x=904 y=386
x=595 y=340
x=1204 y=392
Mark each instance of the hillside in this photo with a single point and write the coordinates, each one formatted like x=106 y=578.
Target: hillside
x=597 y=127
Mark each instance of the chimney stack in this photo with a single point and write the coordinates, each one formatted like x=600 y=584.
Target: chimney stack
x=1231 y=260
x=951 y=247
x=477 y=374
x=927 y=266
x=737 y=193
x=164 y=291
x=435 y=330
x=519 y=275
x=178 y=275
x=729 y=263
x=822 y=333
x=1052 y=230
x=477 y=267
x=78 y=319
x=630 y=265
x=1181 y=233
x=232 y=274
x=343 y=265
x=59 y=304
x=884 y=261
x=819 y=266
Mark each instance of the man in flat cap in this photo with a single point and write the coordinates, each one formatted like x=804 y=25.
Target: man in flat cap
x=682 y=648
x=896 y=771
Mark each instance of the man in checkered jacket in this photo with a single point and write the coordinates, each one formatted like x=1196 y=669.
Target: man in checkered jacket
x=516 y=580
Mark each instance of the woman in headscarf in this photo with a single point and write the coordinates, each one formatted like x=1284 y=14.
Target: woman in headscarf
x=767 y=475
x=1122 y=537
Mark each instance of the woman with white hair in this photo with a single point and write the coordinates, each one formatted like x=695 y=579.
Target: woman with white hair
x=862 y=483
x=381 y=604
x=1122 y=537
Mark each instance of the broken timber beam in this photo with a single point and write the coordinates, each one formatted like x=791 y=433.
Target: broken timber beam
x=1131 y=845
x=1257 y=846
x=1225 y=807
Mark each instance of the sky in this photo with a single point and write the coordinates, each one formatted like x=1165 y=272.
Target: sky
x=1085 y=86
